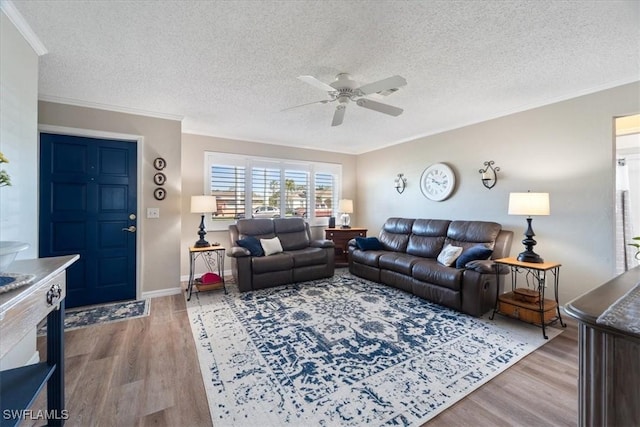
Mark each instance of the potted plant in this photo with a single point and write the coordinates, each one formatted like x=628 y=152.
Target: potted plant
x=637 y=246
x=4 y=175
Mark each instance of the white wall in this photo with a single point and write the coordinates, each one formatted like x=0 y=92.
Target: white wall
x=19 y=142
x=19 y=138
x=566 y=149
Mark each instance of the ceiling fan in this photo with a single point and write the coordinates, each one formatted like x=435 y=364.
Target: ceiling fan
x=344 y=90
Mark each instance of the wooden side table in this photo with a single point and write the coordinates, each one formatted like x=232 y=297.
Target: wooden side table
x=341 y=237
x=213 y=257
x=536 y=276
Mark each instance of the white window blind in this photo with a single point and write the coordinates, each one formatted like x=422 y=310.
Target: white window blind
x=259 y=187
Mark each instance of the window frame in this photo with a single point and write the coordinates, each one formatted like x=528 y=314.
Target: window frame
x=250 y=162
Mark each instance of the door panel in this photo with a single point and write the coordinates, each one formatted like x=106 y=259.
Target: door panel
x=87 y=194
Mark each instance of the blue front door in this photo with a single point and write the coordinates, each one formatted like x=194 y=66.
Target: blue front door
x=88 y=206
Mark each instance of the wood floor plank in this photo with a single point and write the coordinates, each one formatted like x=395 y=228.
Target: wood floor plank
x=145 y=371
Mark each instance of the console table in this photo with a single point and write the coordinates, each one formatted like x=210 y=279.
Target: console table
x=609 y=358
x=21 y=310
x=341 y=237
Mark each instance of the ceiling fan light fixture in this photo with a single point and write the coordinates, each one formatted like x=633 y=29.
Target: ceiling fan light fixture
x=344 y=89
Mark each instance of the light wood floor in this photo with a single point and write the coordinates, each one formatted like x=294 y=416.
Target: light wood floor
x=144 y=372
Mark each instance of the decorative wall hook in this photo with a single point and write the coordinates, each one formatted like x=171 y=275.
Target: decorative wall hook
x=489 y=175
x=400 y=183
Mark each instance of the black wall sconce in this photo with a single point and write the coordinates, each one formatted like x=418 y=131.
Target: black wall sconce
x=400 y=183
x=489 y=175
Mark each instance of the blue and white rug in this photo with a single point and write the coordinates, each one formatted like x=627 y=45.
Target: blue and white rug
x=82 y=317
x=344 y=351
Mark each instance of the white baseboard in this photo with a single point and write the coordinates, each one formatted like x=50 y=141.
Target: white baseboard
x=173 y=291
x=227 y=273
x=162 y=293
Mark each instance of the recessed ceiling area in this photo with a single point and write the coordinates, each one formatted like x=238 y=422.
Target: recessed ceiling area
x=229 y=68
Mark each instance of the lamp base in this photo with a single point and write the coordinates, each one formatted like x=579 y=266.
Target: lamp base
x=530 y=256
x=345 y=219
x=201 y=243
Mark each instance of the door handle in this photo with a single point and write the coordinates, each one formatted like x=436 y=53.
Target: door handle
x=130 y=229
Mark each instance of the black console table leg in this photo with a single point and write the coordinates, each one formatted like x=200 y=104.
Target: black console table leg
x=55 y=356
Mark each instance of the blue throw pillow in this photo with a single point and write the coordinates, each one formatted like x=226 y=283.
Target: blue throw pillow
x=472 y=254
x=252 y=244
x=368 y=243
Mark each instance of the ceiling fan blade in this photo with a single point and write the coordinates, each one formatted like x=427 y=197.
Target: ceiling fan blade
x=324 y=101
x=384 y=84
x=338 y=116
x=316 y=83
x=380 y=107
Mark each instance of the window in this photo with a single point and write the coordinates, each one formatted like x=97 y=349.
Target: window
x=257 y=187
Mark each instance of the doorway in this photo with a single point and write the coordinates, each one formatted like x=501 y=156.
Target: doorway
x=627 y=190
x=88 y=200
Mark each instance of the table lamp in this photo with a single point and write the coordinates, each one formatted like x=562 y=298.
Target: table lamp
x=203 y=205
x=345 y=206
x=529 y=204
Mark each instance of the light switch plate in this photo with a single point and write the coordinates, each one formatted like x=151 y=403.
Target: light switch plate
x=153 y=213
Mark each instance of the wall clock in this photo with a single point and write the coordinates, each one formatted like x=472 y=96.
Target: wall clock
x=437 y=182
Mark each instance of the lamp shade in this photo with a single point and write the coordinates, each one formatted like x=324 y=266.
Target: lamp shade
x=345 y=206
x=203 y=204
x=529 y=204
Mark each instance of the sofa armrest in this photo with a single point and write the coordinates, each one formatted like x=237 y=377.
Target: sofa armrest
x=238 y=252
x=322 y=243
x=486 y=266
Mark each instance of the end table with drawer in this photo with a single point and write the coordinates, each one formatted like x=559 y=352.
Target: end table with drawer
x=341 y=237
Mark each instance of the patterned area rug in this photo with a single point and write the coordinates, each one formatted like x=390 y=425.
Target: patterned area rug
x=82 y=317
x=344 y=352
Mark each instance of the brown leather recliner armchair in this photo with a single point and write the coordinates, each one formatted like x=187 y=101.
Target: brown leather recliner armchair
x=302 y=258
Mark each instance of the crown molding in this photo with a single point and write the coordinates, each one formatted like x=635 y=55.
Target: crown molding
x=117 y=109
x=23 y=27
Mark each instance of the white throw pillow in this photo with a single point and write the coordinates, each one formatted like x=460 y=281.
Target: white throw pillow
x=271 y=246
x=449 y=255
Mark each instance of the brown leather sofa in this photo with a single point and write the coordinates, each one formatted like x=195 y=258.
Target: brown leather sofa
x=302 y=258
x=407 y=259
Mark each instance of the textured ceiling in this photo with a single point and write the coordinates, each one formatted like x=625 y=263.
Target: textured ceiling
x=228 y=68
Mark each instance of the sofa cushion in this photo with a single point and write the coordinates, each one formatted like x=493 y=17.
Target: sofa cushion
x=477 y=252
x=397 y=261
x=257 y=227
x=271 y=246
x=449 y=254
x=368 y=243
x=252 y=244
x=471 y=233
x=366 y=257
x=395 y=234
x=309 y=256
x=427 y=237
x=430 y=271
x=276 y=262
x=292 y=232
